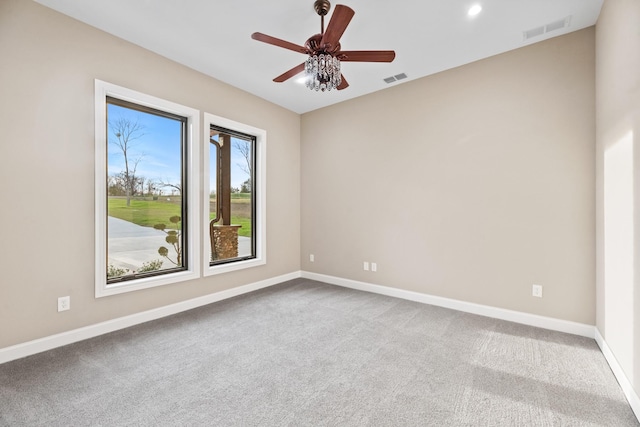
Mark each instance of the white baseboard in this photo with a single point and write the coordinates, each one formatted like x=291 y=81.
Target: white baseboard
x=467 y=307
x=47 y=343
x=625 y=384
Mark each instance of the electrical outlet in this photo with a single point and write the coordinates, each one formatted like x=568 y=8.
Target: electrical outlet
x=365 y=266
x=312 y=258
x=374 y=267
x=64 y=303
x=536 y=291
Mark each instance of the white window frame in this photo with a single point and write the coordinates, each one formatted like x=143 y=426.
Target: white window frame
x=192 y=166
x=260 y=188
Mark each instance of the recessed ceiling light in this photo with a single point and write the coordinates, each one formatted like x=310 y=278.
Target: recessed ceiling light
x=474 y=10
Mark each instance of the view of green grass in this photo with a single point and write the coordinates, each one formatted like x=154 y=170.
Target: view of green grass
x=148 y=213
x=143 y=212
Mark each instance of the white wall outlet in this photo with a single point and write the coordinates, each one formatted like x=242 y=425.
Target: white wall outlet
x=312 y=258
x=365 y=266
x=64 y=303
x=536 y=291
x=374 y=266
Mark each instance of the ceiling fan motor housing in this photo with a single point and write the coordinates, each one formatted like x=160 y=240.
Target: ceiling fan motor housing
x=322 y=7
x=314 y=46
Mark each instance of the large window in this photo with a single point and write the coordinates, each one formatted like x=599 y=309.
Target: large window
x=146 y=197
x=234 y=214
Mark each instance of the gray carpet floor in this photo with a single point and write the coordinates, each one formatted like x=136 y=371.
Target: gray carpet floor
x=307 y=353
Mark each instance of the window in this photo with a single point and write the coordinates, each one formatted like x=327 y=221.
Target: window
x=231 y=200
x=234 y=210
x=146 y=191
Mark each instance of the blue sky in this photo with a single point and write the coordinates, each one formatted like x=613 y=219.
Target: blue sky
x=159 y=147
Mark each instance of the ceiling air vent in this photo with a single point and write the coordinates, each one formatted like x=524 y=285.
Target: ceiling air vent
x=544 y=29
x=535 y=32
x=395 y=78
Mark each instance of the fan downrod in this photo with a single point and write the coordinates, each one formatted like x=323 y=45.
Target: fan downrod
x=322 y=7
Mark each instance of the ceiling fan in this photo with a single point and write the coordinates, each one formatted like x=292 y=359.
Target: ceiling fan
x=322 y=67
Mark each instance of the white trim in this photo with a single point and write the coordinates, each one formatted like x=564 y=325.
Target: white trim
x=467 y=307
x=47 y=343
x=260 y=196
x=102 y=90
x=625 y=384
x=18 y=351
x=53 y=341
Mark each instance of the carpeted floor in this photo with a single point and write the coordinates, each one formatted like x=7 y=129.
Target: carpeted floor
x=307 y=353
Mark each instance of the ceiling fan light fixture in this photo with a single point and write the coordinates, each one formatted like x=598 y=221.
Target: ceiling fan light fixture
x=322 y=67
x=322 y=72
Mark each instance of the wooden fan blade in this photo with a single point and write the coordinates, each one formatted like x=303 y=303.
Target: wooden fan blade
x=292 y=72
x=366 y=55
x=344 y=84
x=278 y=42
x=339 y=20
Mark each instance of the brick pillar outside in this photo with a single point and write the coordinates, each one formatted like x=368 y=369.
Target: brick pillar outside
x=224 y=242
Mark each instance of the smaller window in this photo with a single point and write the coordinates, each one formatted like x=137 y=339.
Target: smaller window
x=234 y=209
x=231 y=200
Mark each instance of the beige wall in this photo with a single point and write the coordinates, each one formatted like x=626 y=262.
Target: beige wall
x=48 y=64
x=618 y=175
x=471 y=184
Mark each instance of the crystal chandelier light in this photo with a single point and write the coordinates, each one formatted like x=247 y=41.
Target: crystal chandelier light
x=322 y=72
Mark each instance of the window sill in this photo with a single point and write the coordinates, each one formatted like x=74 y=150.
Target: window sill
x=212 y=270
x=145 y=283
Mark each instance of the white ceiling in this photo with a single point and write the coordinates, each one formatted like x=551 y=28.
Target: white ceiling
x=429 y=36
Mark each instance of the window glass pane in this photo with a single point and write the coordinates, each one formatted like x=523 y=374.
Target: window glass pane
x=242 y=193
x=145 y=186
x=232 y=209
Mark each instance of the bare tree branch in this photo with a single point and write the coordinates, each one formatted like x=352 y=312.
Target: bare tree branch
x=126 y=131
x=166 y=183
x=245 y=150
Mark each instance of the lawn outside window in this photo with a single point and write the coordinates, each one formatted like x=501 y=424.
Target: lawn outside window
x=146 y=189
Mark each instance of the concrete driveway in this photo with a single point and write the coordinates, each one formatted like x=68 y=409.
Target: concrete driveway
x=131 y=245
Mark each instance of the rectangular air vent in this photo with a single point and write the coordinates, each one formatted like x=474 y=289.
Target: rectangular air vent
x=395 y=78
x=535 y=32
x=544 y=29
x=555 y=25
